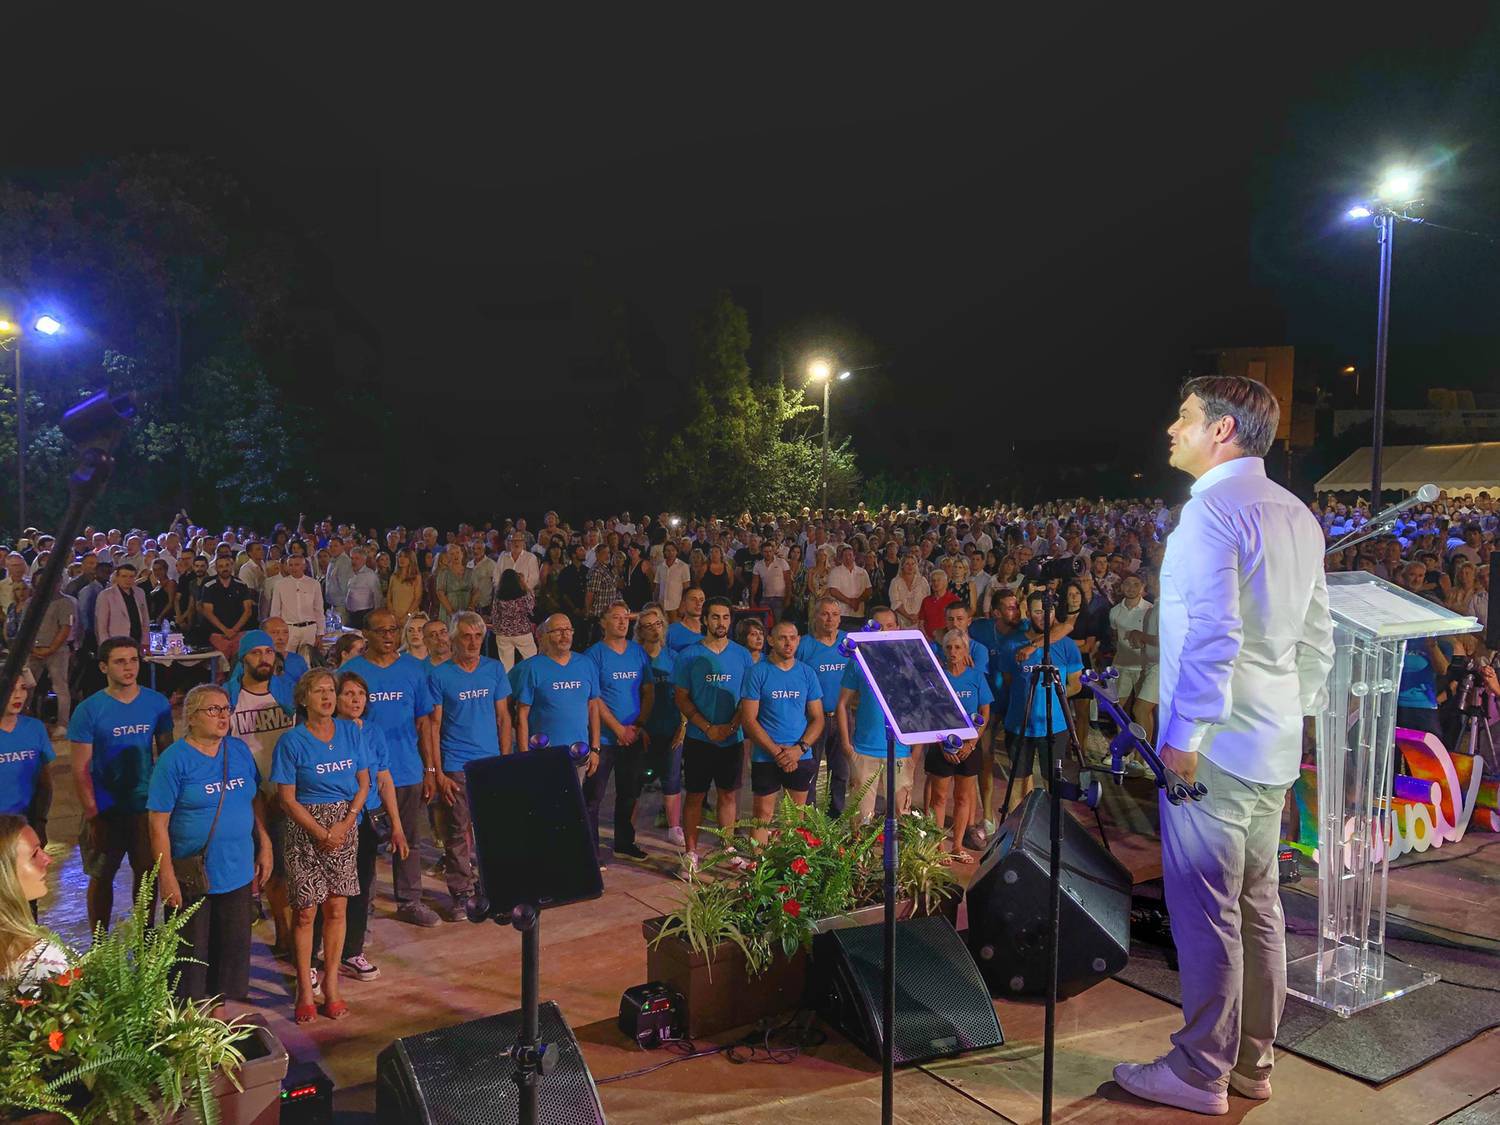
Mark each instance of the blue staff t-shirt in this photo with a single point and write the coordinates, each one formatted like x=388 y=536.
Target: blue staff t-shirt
x=828 y=663
x=621 y=675
x=972 y=689
x=713 y=681
x=869 y=720
x=1068 y=660
x=24 y=753
x=468 y=701
x=680 y=637
x=1002 y=648
x=186 y=784
x=783 y=695
x=558 y=695
x=665 y=717
x=399 y=696
x=122 y=735
x=323 y=772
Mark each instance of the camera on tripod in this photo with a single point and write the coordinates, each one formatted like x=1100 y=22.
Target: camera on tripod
x=1055 y=569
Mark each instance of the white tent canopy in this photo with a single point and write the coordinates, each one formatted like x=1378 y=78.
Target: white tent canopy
x=1467 y=467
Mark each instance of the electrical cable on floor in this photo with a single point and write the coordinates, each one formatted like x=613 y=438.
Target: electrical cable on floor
x=757 y=1046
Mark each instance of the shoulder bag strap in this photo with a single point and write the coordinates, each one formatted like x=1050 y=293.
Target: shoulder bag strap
x=224 y=750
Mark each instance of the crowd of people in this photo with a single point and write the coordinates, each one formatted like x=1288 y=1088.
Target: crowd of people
x=682 y=653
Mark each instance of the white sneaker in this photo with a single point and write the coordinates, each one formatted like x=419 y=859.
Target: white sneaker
x=737 y=862
x=675 y=836
x=689 y=866
x=1155 y=1082
x=1256 y=1088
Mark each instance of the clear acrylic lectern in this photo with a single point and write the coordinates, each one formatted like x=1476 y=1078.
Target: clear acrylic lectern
x=1372 y=621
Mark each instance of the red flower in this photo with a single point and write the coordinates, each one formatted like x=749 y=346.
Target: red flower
x=791 y=906
x=783 y=890
x=799 y=866
x=68 y=977
x=751 y=865
x=811 y=840
x=55 y=1041
x=880 y=839
x=23 y=1002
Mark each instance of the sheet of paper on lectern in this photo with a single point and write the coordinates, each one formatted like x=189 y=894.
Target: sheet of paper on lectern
x=1387 y=612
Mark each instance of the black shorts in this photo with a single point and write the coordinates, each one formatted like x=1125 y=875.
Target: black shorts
x=705 y=765
x=1024 y=750
x=937 y=764
x=767 y=777
x=123 y=834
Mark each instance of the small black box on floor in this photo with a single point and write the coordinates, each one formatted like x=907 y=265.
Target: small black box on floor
x=464 y=1075
x=942 y=1006
x=653 y=1014
x=306 y=1095
x=1009 y=908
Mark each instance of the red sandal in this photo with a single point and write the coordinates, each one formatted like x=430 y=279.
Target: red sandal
x=335 y=1011
x=306 y=1013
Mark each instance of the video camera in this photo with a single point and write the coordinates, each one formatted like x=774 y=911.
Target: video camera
x=1055 y=569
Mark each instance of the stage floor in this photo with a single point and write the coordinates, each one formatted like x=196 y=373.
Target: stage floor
x=593 y=951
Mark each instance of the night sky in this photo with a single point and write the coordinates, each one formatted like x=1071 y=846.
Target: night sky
x=1020 y=230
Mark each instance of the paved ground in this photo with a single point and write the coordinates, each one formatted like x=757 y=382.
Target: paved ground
x=591 y=952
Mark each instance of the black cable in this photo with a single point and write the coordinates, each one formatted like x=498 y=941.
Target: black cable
x=757 y=1047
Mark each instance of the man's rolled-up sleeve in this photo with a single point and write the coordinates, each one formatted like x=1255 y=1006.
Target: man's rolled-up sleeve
x=1315 y=651
x=1210 y=570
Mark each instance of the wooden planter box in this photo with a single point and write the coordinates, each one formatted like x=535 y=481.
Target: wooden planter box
x=719 y=992
x=259 y=1103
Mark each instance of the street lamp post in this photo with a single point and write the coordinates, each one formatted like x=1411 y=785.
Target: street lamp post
x=822 y=371
x=1393 y=202
x=11 y=333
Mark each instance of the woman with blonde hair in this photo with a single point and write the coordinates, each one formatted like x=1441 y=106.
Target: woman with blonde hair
x=208 y=830
x=28 y=953
x=404 y=594
x=412 y=640
x=454 y=584
x=817 y=580
x=907 y=590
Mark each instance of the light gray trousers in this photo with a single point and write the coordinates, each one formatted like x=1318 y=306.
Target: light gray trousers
x=1219 y=860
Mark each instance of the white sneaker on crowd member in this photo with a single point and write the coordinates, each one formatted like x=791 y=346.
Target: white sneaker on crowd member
x=358 y=967
x=1256 y=1088
x=675 y=836
x=1157 y=1082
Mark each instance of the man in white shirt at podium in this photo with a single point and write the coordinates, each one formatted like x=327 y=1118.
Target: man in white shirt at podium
x=1246 y=645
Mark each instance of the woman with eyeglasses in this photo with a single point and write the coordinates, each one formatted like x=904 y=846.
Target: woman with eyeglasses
x=208 y=823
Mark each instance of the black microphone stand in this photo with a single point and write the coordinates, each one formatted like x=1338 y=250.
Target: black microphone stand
x=97 y=424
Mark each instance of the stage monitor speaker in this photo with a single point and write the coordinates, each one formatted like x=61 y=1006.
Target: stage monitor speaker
x=1010 y=915
x=463 y=1075
x=1492 y=627
x=942 y=1008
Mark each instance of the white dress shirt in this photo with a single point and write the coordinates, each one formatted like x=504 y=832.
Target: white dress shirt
x=1246 y=638
x=526 y=567
x=297 y=601
x=671 y=581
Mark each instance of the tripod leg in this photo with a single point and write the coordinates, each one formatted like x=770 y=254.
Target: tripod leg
x=1072 y=729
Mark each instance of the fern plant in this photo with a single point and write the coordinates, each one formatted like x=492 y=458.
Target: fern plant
x=108 y=1039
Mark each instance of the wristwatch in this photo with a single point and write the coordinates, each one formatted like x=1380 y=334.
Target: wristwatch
x=804 y=747
x=432 y=769
x=593 y=749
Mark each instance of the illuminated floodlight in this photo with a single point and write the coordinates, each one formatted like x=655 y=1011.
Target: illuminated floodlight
x=7 y=328
x=1399 y=185
x=843 y=375
x=819 y=369
x=48 y=325
x=1359 y=212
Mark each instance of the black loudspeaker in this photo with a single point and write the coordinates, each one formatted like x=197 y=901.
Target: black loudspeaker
x=942 y=1007
x=462 y=1075
x=1009 y=908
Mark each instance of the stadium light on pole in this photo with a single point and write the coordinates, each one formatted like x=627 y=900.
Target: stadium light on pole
x=10 y=338
x=1393 y=201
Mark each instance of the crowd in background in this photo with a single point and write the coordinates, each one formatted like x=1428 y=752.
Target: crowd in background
x=366 y=667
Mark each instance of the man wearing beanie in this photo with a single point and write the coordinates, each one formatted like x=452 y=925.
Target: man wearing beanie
x=261 y=711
